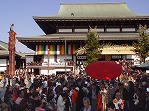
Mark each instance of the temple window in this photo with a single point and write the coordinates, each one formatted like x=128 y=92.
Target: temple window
x=113 y=29
x=65 y=30
x=100 y=29
x=81 y=30
x=128 y=29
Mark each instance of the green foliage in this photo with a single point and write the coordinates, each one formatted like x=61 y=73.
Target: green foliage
x=93 y=46
x=142 y=45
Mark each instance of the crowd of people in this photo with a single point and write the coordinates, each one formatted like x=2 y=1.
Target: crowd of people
x=79 y=92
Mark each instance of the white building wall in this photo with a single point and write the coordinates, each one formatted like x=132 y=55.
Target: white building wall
x=51 y=58
x=45 y=72
x=3 y=64
x=60 y=58
x=29 y=58
x=2 y=69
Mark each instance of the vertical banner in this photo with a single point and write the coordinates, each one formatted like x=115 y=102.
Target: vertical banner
x=71 y=49
x=62 y=49
x=11 y=48
x=52 y=49
x=40 y=49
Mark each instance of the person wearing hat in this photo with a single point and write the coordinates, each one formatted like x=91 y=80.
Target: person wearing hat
x=74 y=97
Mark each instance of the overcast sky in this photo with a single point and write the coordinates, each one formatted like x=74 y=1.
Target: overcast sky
x=20 y=13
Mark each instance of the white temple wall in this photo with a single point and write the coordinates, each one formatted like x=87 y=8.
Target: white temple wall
x=3 y=65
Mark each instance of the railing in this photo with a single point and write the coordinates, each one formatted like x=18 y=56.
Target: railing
x=68 y=63
x=34 y=64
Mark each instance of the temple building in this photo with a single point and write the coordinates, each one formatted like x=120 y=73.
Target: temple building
x=4 y=59
x=66 y=31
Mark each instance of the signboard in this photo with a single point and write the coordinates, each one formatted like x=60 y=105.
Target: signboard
x=81 y=57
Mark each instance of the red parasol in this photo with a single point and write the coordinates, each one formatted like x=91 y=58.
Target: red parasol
x=103 y=70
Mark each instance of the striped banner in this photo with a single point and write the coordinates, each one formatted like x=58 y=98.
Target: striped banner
x=71 y=49
x=61 y=49
x=52 y=49
x=57 y=49
x=40 y=49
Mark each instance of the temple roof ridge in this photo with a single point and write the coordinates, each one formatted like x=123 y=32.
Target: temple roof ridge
x=95 y=3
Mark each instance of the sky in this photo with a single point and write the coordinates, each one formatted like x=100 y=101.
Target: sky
x=20 y=12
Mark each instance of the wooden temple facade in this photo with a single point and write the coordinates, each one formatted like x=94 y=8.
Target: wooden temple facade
x=66 y=31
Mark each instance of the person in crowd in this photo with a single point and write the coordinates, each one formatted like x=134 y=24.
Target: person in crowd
x=81 y=95
x=103 y=93
x=44 y=94
x=51 y=105
x=61 y=102
x=68 y=104
x=110 y=92
x=10 y=102
x=110 y=106
x=34 y=101
x=120 y=87
x=20 y=97
x=99 y=105
x=45 y=83
x=74 y=97
x=3 y=107
x=147 y=99
x=24 y=105
x=15 y=91
x=93 y=95
x=130 y=95
x=4 y=80
x=39 y=106
x=127 y=95
x=8 y=92
x=118 y=102
x=87 y=105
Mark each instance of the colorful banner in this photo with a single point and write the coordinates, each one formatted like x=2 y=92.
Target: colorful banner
x=52 y=49
x=40 y=49
x=61 y=49
x=57 y=49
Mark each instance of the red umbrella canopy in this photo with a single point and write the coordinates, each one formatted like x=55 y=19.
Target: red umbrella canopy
x=103 y=70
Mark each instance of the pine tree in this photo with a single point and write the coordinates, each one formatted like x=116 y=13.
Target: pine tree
x=92 y=46
x=142 y=45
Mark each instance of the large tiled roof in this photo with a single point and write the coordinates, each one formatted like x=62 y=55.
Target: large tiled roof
x=93 y=10
x=3 y=45
x=79 y=36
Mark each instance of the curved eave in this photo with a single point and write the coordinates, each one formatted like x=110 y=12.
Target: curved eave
x=55 y=18
x=58 y=37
